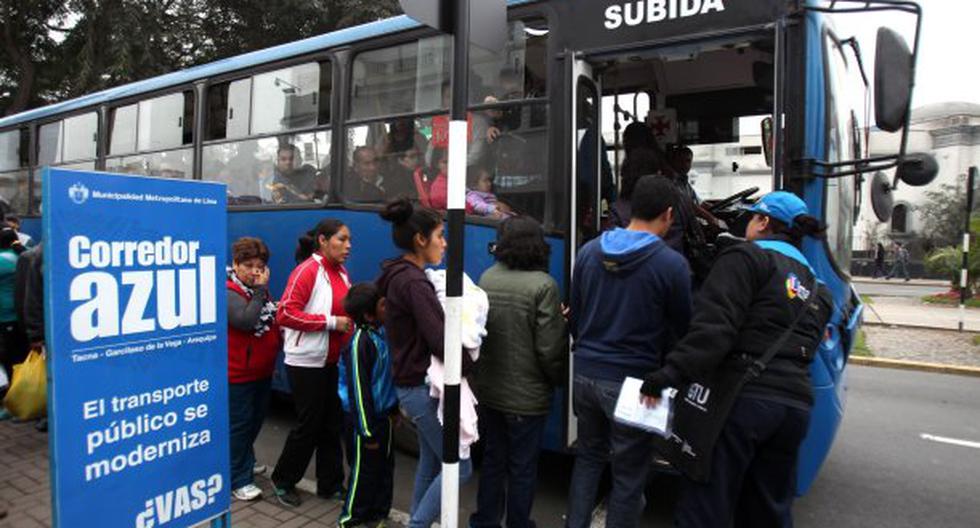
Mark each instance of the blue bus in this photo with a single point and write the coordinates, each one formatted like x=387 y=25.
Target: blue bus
x=766 y=94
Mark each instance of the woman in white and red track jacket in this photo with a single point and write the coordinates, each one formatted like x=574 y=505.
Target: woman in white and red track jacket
x=316 y=328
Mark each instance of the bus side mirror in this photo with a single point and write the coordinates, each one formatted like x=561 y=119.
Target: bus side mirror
x=893 y=80
x=917 y=169
x=767 y=140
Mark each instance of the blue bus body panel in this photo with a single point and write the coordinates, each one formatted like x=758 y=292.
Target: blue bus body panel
x=827 y=371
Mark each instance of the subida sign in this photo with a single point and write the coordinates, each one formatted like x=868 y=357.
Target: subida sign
x=136 y=336
x=599 y=24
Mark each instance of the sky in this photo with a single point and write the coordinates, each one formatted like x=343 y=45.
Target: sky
x=949 y=67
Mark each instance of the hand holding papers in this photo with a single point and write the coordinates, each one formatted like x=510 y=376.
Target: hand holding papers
x=631 y=411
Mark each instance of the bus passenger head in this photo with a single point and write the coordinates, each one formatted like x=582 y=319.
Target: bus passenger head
x=366 y=164
x=637 y=135
x=364 y=304
x=330 y=239
x=416 y=230
x=682 y=158
x=249 y=257
x=639 y=162
x=783 y=215
x=286 y=156
x=653 y=202
x=521 y=245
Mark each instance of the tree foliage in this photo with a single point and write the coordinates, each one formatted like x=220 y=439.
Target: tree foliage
x=949 y=260
x=55 y=50
x=943 y=214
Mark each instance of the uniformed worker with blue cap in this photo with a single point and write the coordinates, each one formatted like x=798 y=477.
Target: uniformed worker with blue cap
x=750 y=299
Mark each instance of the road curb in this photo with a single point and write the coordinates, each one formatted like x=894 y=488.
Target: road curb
x=901 y=364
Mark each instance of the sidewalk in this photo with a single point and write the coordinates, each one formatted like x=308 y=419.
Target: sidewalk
x=913 y=282
x=905 y=311
x=25 y=494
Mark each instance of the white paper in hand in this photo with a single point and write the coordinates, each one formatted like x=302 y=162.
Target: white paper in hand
x=631 y=411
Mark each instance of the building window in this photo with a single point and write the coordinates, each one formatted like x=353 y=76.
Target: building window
x=900 y=219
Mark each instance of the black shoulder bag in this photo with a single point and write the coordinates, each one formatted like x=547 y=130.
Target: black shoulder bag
x=700 y=409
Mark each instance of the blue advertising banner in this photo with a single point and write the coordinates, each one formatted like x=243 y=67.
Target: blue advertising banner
x=136 y=340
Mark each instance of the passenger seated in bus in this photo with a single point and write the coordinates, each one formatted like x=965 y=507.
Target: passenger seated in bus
x=365 y=186
x=291 y=184
x=432 y=185
x=480 y=199
x=399 y=181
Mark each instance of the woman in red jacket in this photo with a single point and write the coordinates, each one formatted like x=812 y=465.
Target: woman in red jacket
x=316 y=328
x=253 y=344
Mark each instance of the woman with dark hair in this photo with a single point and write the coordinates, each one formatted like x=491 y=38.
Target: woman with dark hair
x=254 y=340
x=316 y=329
x=522 y=359
x=759 y=318
x=414 y=323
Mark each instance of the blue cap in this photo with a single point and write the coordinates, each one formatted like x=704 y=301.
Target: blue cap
x=782 y=206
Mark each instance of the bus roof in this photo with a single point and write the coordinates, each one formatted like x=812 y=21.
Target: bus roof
x=230 y=64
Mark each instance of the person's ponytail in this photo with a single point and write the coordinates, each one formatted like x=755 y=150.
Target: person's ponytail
x=808 y=226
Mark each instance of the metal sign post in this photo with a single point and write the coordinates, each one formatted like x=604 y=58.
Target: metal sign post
x=964 y=271
x=456 y=17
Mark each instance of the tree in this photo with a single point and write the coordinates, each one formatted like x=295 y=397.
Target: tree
x=239 y=26
x=54 y=50
x=943 y=215
x=26 y=50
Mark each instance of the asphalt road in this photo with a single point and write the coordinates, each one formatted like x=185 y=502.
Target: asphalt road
x=896 y=288
x=881 y=472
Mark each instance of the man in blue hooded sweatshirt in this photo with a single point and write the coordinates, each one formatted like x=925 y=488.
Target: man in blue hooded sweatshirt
x=630 y=299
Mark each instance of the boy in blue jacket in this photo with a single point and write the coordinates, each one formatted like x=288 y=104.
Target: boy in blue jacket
x=367 y=394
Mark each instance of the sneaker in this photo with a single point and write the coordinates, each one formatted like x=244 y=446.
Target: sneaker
x=42 y=425
x=248 y=492
x=338 y=495
x=288 y=497
x=259 y=469
x=5 y=415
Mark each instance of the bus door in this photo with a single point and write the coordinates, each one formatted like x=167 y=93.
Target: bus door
x=585 y=185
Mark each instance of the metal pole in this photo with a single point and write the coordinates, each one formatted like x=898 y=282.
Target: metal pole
x=964 y=271
x=454 y=266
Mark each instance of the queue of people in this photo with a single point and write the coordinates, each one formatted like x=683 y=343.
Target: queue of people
x=21 y=306
x=359 y=358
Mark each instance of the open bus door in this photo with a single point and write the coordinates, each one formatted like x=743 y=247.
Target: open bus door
x=585 y=188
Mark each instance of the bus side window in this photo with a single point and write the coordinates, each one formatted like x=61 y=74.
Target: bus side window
x=153 y=137
x=288 y=168
x=13 y=169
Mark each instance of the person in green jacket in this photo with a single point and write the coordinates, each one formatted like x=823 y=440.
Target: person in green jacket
x=522 y=359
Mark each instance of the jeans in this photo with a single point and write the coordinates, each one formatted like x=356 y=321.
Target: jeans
x=899 y=265
x=510 y=468
x=753 y=470
x=601 y=440
x=427 y=493
x=321 y=423
x=247 y=405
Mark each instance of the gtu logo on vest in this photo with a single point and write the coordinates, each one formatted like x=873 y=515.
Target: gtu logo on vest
x=698 y=395
x=78 y=193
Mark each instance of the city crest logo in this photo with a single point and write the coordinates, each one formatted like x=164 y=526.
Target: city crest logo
x=795 y=288
x=78 y=193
